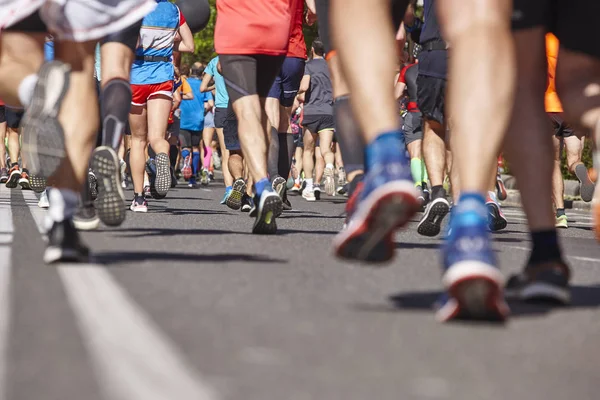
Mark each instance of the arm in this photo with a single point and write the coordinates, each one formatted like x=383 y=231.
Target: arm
x=186 y=45
x=209 y=105
x=311 y=13
x=399 y=89
x=205 y=85
x=176 y=100
x=304 y=86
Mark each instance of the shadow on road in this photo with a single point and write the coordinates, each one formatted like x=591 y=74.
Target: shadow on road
x=127 y=257
x=145 y=232
x=582 y=297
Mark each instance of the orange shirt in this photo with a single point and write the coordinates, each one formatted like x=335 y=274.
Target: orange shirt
x=552 y=101
x=297 y=46
x=253 y=26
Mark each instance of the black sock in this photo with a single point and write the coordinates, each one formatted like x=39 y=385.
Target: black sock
x=437 y=192
x=560 y=212
x=285 y=153
x=354 y=183
x=273 y=155
x=348 y=135
x=173 y=153
x=544 y=247
x=115 y=104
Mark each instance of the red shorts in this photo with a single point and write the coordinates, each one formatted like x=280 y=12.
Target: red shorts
x=142 y=93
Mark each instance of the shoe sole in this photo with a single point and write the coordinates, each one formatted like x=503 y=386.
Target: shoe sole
x=13 y=180
x=86 y=225
x=501 y=190
x=234 y=201
x=369 y=236
x=329 y=185
x=279 y=184
x=24 y=183
x=545 y=292
x=497 y=222
x=476 y=293
x=587 y=186
x=110 y=203
x=431 y=223
x=162 y=182
x=266 y=223
x=54 y=255
x=186 y=172
x=204 y=180
x=37 y=183
x=93 y=186
x=43 y=136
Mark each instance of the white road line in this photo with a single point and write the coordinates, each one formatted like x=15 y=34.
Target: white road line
x=6 y=238
x=132 y=358
x=578 y=258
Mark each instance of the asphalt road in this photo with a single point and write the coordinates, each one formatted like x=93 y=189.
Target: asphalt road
x=185 y=303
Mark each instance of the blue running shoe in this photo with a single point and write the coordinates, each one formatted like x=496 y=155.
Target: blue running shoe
x=387 y=202
x=226 y=195
x=472 y=280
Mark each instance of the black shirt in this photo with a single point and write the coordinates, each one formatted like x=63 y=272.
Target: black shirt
x=432 y=62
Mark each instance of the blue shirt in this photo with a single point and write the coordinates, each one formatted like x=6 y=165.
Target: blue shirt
x=192 y=111
x=97 y=62
x=49 y=50
x=157 y=37
x=221 y=97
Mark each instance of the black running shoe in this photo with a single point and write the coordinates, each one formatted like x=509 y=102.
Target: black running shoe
x=111 y=199
x=247 y=203
x=234 y=201
x=162 y=183
x=43 y=136
x=317 y=191
x=37 y=183
x=86 y=219
x=267 y=209
x=64 y=244
x=544 y=282
x=92 y=184
x=287 y=206
x=431 y=222
x=14 y=175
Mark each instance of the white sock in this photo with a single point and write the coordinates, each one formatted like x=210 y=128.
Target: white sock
x=328 y=166
x=309 y=183
x=26 y=89
x=63 y=203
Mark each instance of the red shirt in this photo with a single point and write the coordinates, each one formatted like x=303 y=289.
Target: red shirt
x=253 y=26
x=297 y=46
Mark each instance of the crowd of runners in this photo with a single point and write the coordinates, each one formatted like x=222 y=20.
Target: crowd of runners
x=278 y=118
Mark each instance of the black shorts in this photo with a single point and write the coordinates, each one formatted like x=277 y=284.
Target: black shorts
x=413 y=127
x=173 y=128
x=318 y=123
x=2 y=114
x=561 y=128
x=189 y=138
x=220 y=117
x=431 y=97
x=32 y=24
x=287 y=82
x=248 y=75
x=573 y=22
x=128 y=36
x=230 y=131
x=13 y=117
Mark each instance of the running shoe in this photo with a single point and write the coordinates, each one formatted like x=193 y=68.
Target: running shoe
x=204 y=177
x=317 y=191
x=548 y=281
x=186 y=170
x=309 y=194
x=216 y=159
x=352 y=203
x=64 y=244
x=586 y=186
x=341 y=183
x=295 y=188
x=43 y=202
x=147 y=192
x=14 y=175
x=139 y=204
x=287 y=206
x=211 y=176
x=160 y=185
x=3 y=175
x=37 y=183
x=421 y=197
x=86 y=219
x=329 y=184
x=226 y=195
x=110 y=203
x=92 y=184
x=562 y=222
x=280 y=186
x=267 y=209
x=123 y=168
x=500 y=188
x=426 y=193
x=388 y=200
x=290 y=183
x=496 y=219
x=234 y=201
x=192 y=184
x=247 y=203
x=43 y=136
x=24 y=180
x=473 y=283
x=431 y=222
